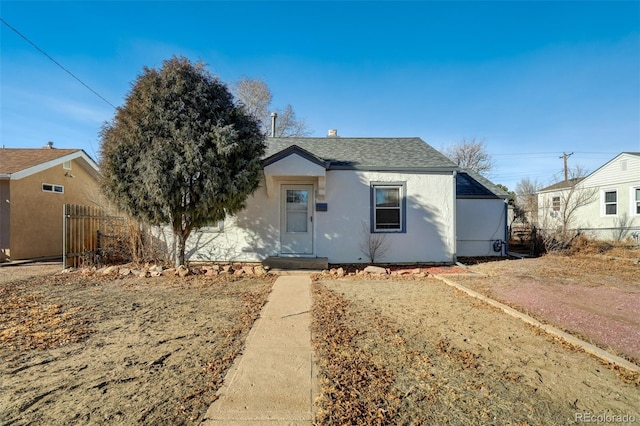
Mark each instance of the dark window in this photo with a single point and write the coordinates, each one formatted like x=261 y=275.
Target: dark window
x=610 y=203
x=388 y=207
x=48 y=187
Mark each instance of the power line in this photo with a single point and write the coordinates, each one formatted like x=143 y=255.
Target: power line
x=56 y=62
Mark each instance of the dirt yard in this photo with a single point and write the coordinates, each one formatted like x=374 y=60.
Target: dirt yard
x=594 y=297
x=86 y=349
x=416 y=351
x=80 y=349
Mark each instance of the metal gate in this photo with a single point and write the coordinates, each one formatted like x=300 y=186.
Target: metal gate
x=90 y=235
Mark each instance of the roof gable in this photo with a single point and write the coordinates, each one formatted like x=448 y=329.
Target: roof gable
x=13 y=160
x=293 y=149
x=366 y=153
x=17 y=163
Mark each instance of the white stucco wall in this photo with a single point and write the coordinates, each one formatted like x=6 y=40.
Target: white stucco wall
x=480 y=222
x=430 y=216
x=253 y=234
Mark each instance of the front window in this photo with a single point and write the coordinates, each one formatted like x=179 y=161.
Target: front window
x=610 y=203
x=636 y=201
x=388 y=202
x=555 y=204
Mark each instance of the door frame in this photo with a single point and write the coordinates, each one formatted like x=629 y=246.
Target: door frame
x=284 y=186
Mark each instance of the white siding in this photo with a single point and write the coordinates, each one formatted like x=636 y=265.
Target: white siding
x=623 y=169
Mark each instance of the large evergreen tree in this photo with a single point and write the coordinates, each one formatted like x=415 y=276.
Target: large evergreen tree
x=180 y=151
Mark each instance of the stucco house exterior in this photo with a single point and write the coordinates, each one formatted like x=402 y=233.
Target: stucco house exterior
x=34 y=186
x=482 y=211
x=613 y=207
x=332 y=197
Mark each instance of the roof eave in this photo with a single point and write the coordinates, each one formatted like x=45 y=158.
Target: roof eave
x=392 y=169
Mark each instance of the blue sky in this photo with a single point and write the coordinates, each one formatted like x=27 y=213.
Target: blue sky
x=531 y=79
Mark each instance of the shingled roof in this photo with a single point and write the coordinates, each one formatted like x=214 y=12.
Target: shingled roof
x=367 y=153
x=16 y=163
x=13 y=160
x=470 y=184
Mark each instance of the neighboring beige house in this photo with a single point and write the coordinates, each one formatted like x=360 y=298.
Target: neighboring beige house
x=611 y=200
x=34 y=186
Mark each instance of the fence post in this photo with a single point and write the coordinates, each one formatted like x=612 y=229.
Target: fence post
x=64 y=236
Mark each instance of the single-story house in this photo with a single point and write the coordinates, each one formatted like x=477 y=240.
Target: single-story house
x=346 y=199
x=610 y=195
x=34 y=186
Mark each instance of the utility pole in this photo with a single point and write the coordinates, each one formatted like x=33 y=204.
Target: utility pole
x=566 y=170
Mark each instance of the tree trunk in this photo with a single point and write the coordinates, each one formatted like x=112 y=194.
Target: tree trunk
x=182 y=239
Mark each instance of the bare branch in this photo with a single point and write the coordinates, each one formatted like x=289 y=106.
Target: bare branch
x=255 y=97
x=470 y=154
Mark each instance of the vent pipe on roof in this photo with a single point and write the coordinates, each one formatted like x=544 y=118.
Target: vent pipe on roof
x=49 y=145
x=273 y=124
x=333 y=133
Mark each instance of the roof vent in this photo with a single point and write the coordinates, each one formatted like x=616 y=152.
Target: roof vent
x=333 y=133
x=49 y=145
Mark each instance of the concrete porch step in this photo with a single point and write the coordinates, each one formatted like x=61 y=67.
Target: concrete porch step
x=315 y=263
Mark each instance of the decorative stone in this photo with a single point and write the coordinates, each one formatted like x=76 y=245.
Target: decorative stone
x=182 y=271
x=124 y=271
x=248 y=270
x=340 y=272
x=109 y=270
x=377 y=270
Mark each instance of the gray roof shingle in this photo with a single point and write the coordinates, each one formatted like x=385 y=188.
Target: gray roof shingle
x=470 y=184
x=367 y=153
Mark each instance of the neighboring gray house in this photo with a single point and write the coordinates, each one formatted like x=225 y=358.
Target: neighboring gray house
x=613 y=208
x=329 y=197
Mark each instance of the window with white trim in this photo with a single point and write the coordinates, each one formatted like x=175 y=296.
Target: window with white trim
x=635 y=201
x=388 y=207
x=49 y=187
x=610 y=202
x=555 y=204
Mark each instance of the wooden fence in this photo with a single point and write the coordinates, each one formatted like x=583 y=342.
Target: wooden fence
x=90 y=235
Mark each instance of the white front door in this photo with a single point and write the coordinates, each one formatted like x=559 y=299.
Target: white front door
x=296 y=219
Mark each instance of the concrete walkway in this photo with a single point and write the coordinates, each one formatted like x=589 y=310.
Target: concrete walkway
x=273 y=381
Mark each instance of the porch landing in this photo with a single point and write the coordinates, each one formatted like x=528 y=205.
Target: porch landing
x=314 y=263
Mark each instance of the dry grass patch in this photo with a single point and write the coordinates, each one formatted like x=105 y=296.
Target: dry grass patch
x=417 y=352
x=95 y=350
